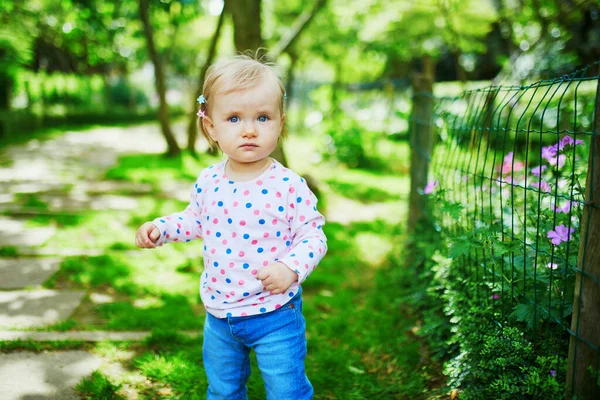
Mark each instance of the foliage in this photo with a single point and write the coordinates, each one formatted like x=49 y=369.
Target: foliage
x=97 y=387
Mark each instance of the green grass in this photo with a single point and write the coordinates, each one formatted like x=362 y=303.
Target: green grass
x=360 y=344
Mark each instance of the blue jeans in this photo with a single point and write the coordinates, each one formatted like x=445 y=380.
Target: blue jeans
x=279 y=340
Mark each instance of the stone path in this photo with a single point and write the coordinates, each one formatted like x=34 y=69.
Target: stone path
x=75 y=161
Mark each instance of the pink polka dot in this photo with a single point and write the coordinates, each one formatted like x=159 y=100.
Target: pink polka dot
x=243 y=223
x=292 y=190
x=242 y=254
x=213 y=251
x=214 y=279
x=222 y=272
x=214 y=202
x=272 y=177
x=259 y=182
x=314 y=224
x=231 y=265
x=224 y=241
x=241 y=282
x=226 y=211
x=278 y=195
x=233 y=234
x=266 y=235
x=267 y=205
x=254 y=271
x=254 y=241
x=302 y=218
x=207 y=232
x=265 y=263
x=215 y=221
x=274 y=221
x=308 y=202
x=285 y=237
x=235 y=203
x=273 y=249
x=187 y=233
x=277 y=306
x=256 y=212
x=261 y=299
x=246 y=192
x=244 y=314
x=291 y=205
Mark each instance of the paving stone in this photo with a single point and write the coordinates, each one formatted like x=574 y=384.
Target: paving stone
x=37 y=308
x=19 y=273
x=27 y=375
x=14 y=233
x=84 y=336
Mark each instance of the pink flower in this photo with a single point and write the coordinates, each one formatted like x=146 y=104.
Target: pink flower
x=566 y=208
x=537 y=171
x=560 y=234
x=568 y=141
x=509 y=166
x=431 y=186
x=542 y=186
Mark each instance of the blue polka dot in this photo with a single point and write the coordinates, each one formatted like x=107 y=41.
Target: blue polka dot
x=228 y=280
x=162 y=220
x=217 y=189
x=263 y=310
x=260 y=250
x=246 y=294
x=280 y=208
x=216 y=264
x=199 y=190
x=299 y=200
x=278 y=234
x=305 y=241
x=212 y=297
x=229 y=220
x=261 y=221
x=246 y=265
x=291 y=294
x=229 y=314
x=234 y=190
x=231 y=182
x=220 y=204
x=288 y=243
x=228 y=251
x=214 y=176
x=248 y=205
x=311 y=255
x=286 y=179
x=265 y=191
x=218 y=234
x=246 y=236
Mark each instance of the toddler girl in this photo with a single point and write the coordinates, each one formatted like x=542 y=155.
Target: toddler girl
x=262 y=236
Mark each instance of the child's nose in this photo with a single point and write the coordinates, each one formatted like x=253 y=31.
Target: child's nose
x=249 y=129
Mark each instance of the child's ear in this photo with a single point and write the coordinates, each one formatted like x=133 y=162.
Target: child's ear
x=210 y=127
x=283 y=117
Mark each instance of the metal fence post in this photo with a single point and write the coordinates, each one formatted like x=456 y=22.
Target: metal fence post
x=584 y=346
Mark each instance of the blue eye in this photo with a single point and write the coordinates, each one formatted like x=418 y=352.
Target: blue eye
x=263 y=118
x=233 y=119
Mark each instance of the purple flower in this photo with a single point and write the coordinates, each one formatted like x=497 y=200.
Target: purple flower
x=561 y=159
x=552 y=372
x=552 y=266
x=495 y=296
x=566 y=208
x=568 y=141
x=537 y=171
x=509 y=166
x=549 y=152
x=560 y=234
x=431 y=186
x=542 y=186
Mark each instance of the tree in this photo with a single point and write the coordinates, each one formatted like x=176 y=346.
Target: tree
x=163 y=113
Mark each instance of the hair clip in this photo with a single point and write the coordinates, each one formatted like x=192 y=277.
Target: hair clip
x=201 y=114
x=201 y=99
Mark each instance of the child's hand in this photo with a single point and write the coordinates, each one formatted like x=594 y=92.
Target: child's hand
x=147 y=235
x=277 y=277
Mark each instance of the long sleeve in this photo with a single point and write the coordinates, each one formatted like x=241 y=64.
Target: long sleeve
x=309 y=243
x=183 y=226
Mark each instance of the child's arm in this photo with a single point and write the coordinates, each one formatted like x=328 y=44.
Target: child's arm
x=181 y=226
x=309 y=243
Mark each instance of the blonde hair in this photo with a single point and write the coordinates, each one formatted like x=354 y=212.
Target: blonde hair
x=240 y=72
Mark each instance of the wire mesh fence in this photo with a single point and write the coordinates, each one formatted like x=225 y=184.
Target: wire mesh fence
x=514 y=160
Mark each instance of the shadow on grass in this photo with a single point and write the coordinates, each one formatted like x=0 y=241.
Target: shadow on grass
x=364 y=194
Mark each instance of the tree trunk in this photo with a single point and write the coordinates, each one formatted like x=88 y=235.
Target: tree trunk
x=163 y=112
x=584 y=356
x=246 y=24
x=421 y=142
x=192 y=129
